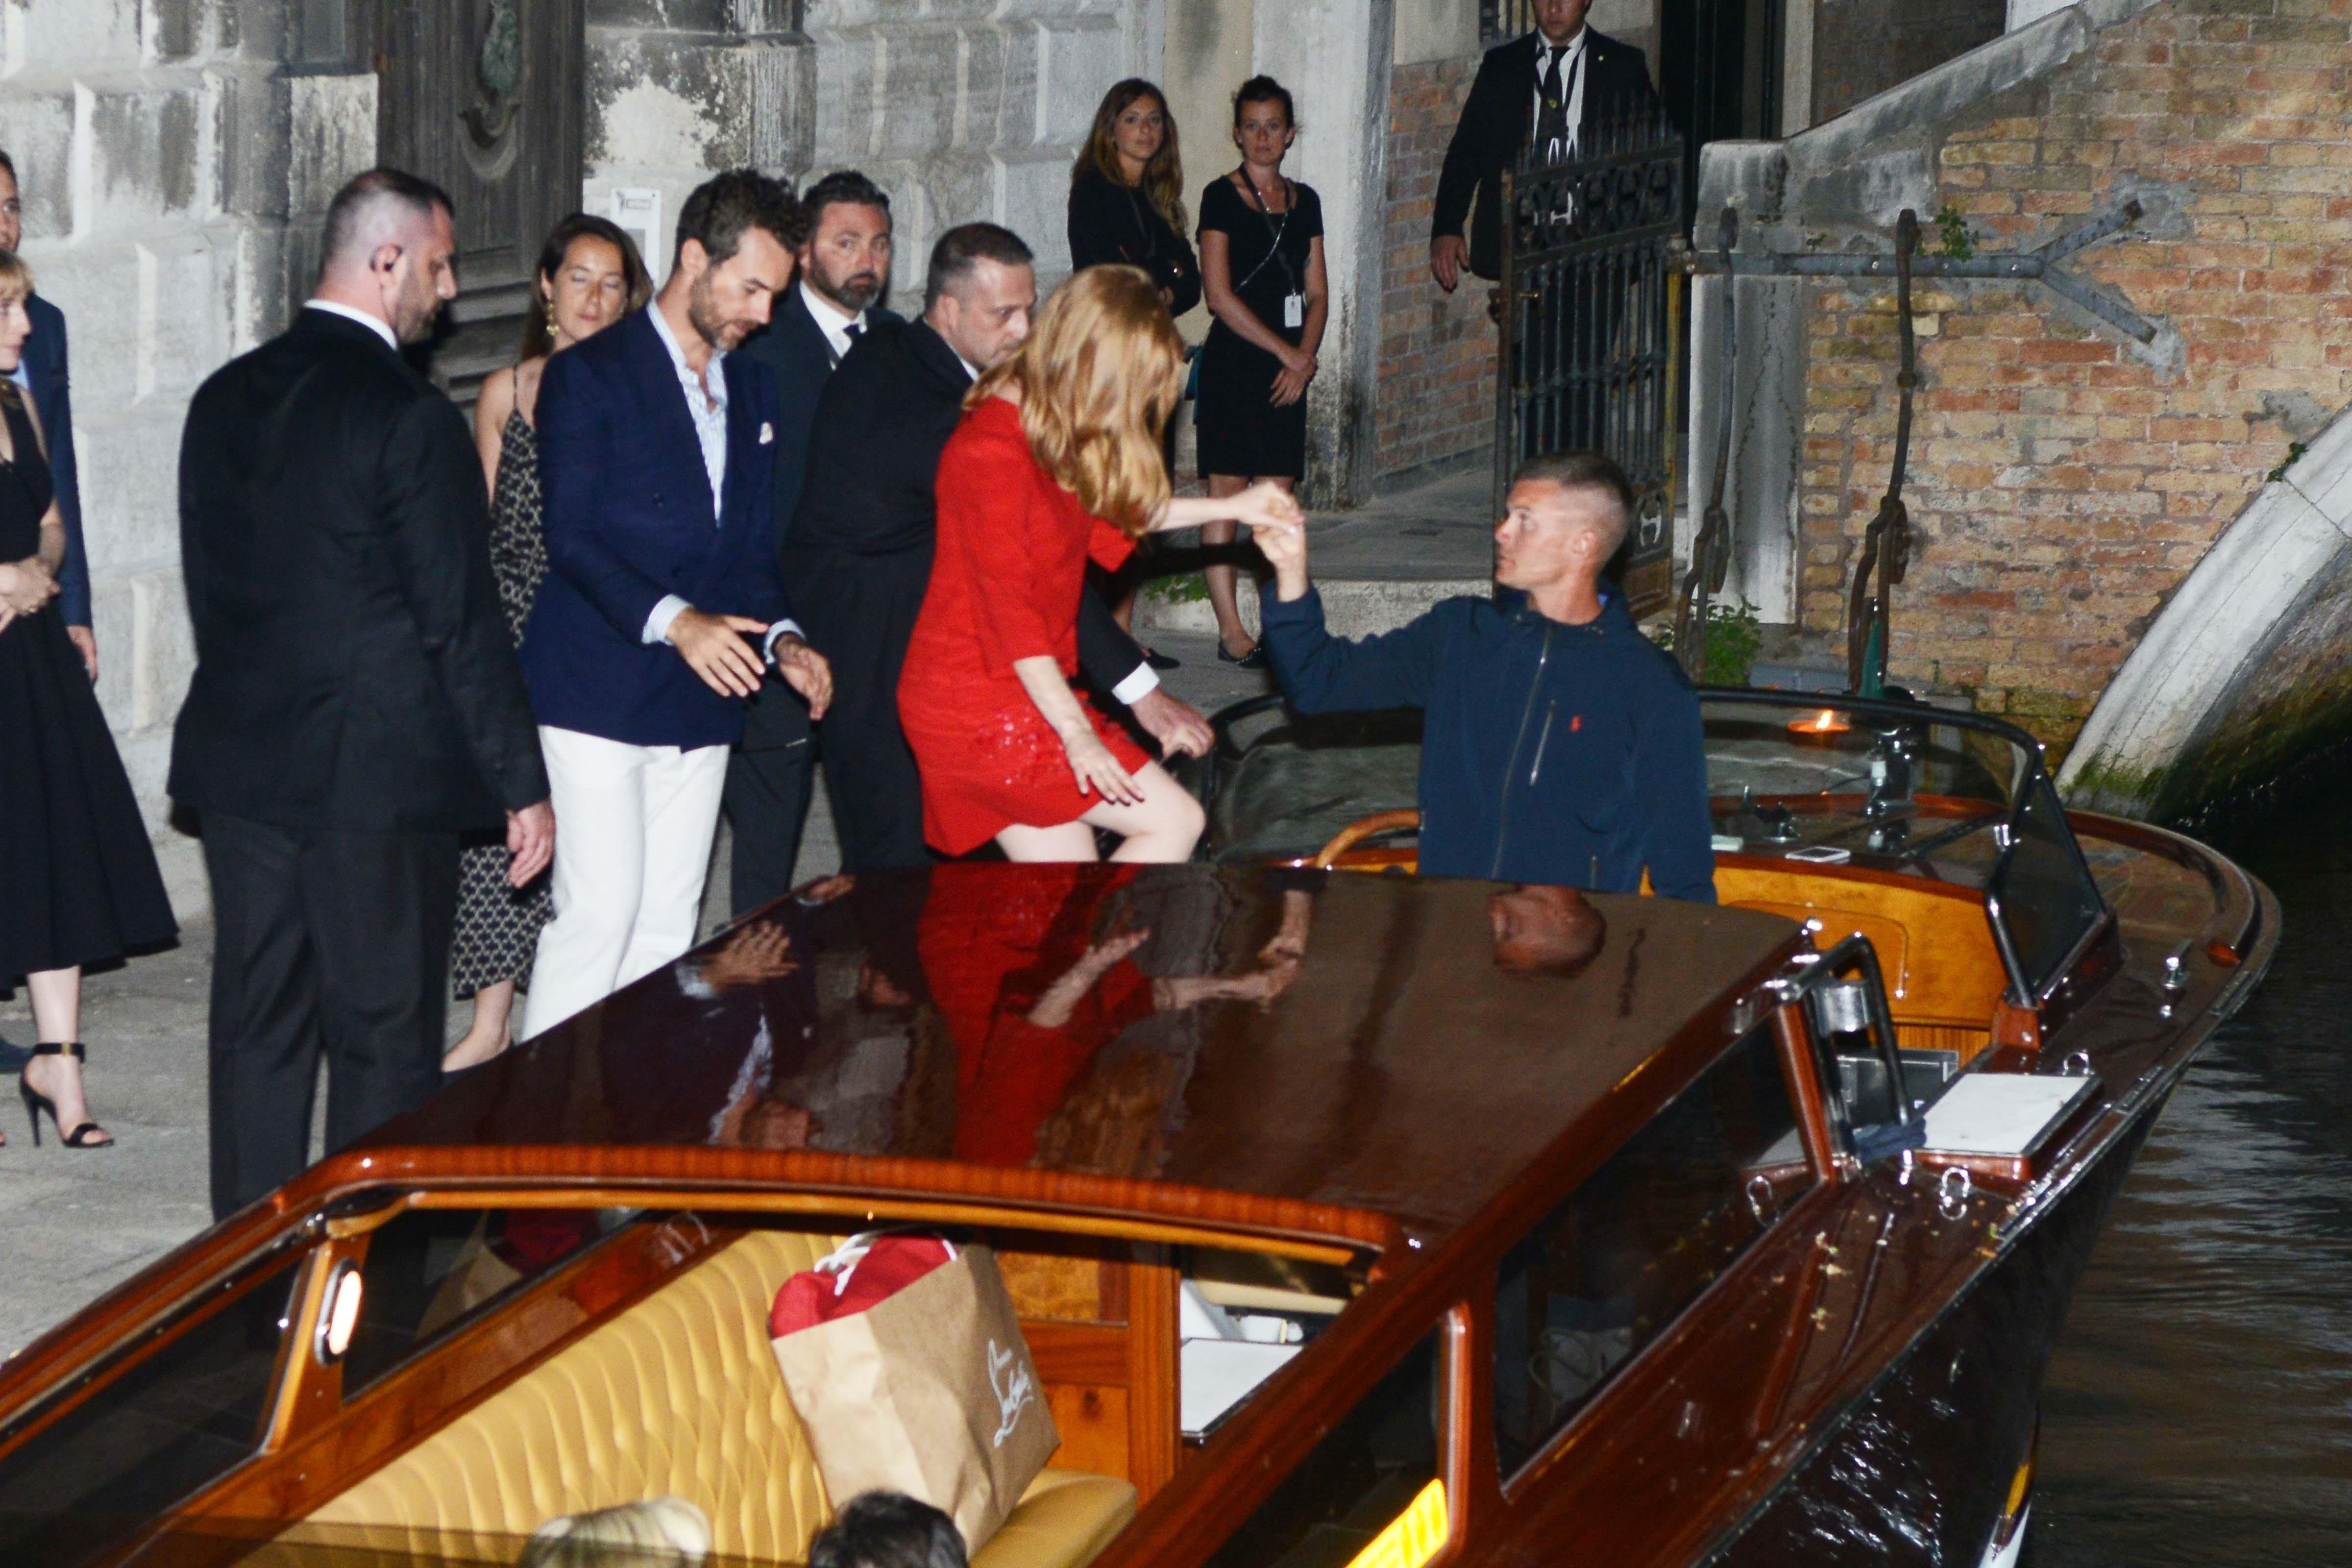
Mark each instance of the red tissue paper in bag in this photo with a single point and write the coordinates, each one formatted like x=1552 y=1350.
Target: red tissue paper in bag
x=889 y=1265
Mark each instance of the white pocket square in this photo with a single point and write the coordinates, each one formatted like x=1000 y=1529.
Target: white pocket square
x=767 y=433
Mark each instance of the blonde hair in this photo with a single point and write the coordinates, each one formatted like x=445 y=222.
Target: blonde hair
x=1097 y=380
x=659 y=1533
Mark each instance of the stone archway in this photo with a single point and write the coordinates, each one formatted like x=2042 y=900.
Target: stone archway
x=2242 y=670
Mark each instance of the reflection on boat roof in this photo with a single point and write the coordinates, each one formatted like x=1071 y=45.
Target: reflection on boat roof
x=1395 y=1068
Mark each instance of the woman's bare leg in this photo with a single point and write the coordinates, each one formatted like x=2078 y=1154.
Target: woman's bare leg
x=1221 y=578
x=57 y=1020
x=1160 y=829
x=1070 y=841
x=486 y=1037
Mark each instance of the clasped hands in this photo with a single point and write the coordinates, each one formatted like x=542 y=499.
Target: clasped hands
x=1298 y=368
x=731 y=667
x=26 y=587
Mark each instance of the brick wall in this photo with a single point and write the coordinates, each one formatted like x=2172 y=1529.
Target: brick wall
x=2064 y=485
x=1436 y=376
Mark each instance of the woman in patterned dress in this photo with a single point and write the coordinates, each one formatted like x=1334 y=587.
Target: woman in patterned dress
x=590 y=276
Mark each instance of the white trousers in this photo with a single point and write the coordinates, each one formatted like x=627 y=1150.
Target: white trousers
x=633 y=832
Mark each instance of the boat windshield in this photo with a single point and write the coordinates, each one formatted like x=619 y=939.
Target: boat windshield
x=1898 y=787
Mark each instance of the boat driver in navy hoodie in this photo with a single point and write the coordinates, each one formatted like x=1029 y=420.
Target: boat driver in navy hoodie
x=1559 y=745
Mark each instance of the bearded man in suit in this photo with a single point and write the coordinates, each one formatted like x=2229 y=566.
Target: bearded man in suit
x=844 y=269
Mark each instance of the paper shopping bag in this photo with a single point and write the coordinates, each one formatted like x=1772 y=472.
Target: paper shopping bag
x=904 y=1358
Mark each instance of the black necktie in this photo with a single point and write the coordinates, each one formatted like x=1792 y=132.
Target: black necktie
x=1551 y=125
x=854 y=330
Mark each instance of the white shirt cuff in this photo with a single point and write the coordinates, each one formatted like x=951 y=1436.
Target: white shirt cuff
x=780 y=629
x=666 y=611
x=1140 y=684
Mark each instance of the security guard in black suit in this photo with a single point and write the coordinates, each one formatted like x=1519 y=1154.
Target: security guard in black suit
x=356 y=702
x=1556 y=83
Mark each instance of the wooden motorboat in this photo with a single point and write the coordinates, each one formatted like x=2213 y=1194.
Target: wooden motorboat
x=1351 y=1217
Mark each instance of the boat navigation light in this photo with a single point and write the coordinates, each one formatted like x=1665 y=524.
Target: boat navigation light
x=339 y=1314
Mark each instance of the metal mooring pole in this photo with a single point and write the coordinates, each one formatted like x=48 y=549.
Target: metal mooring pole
x=1886 y=543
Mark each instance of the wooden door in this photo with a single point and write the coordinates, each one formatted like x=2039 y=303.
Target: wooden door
x=484 y=98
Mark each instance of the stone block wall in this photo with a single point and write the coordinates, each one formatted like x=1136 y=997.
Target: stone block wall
x=959 y=109
x=969 y=109
x=1436 y=376
x=2064 y=479
x=166 y=155
x=679 y=89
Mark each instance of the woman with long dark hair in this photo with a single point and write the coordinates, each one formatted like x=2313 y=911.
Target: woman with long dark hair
x=589 y=275
x=1057 y=462
x=78 y=883
x=1126 y=209
x=1127 y=194
x=1261 y=270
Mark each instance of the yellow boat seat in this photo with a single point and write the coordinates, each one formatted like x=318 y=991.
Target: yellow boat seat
x=678 y=1394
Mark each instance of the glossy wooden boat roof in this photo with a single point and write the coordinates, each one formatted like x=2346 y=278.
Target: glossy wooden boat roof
x=884 y=1036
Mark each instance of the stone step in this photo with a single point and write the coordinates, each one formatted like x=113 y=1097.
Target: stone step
x=1378 y=566
x=1352 y=606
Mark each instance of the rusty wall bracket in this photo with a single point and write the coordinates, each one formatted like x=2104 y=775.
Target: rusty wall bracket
x=2039 y=264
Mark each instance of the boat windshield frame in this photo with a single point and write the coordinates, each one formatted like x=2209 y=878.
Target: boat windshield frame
x=2031 y=810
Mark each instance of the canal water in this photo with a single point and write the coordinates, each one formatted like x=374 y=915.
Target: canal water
x=2199 y=1408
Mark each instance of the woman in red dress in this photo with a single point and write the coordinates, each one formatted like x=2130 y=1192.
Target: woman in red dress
x=1057 y=460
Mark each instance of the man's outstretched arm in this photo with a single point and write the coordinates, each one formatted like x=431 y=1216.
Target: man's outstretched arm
x=1323 y=674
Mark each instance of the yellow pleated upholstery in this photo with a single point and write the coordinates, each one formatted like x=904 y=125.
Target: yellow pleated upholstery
x=680 y=1394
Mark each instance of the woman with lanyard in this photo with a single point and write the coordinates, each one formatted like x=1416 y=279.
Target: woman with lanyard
x=1261 y=270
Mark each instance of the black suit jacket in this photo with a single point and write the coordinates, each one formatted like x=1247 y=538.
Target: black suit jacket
x=873 y=458
x=797 y=354
x=353 y=668
x=1496 y=120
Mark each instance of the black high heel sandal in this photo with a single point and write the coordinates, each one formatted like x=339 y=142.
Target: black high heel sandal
x=35 y=1103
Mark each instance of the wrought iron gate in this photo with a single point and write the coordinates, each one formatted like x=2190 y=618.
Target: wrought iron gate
x=1591 y=315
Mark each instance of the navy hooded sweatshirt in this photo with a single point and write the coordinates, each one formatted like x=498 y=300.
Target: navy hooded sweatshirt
x=1549 y=752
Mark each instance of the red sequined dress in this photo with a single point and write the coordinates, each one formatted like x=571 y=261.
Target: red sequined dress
x=1011 y=562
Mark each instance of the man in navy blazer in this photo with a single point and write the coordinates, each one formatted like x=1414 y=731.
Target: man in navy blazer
x=845 y=265
x=42 y=373
x=657 y=453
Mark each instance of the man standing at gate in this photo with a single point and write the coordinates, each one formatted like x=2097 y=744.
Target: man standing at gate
x=1546 y=90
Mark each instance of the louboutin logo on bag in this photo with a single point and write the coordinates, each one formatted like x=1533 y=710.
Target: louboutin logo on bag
x=1008 y=1374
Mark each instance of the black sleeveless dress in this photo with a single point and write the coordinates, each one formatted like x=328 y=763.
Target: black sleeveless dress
x=77 y=878
x=1241 y=432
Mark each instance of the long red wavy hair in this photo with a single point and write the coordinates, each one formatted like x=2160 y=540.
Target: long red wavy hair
x=1097 y=380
